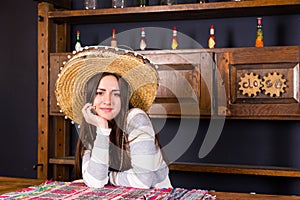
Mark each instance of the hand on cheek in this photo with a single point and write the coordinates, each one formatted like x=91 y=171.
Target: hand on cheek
x=92 y=118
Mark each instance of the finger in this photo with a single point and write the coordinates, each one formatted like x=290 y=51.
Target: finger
x=85 y=109
x=89 y=112
x=86 y=106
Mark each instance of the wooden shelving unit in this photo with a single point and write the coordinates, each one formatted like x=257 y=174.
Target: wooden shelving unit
x=53 y=129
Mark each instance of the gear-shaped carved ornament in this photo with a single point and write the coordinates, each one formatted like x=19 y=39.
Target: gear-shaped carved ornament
x=274 y=84
x=250 y=84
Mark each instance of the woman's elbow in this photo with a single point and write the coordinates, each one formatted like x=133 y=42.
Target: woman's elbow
x=95 y=183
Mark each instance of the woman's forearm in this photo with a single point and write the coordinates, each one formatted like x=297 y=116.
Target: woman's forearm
x=95 y=162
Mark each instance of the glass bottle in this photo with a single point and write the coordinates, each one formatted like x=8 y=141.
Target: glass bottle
x=212 y=37
x=114 y=42
x=168 y=2
x=142 y=3
x=202 y=1
x=259 y=42
x=118 y=3
x=78 y=41
x=174 y=44
x=143 y=42
x=90 y=4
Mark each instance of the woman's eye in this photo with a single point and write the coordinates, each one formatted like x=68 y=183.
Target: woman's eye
x=117 y=94
x=99 y=93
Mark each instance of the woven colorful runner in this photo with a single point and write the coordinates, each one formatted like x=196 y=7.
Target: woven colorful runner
x=54 y=190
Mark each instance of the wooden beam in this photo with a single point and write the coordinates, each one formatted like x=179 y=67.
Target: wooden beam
x=62 y=147
x=178 y=12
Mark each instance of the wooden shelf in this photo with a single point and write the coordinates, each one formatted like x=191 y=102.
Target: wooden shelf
x=70 y=160
x=177 y=12
x=236 y=169
x=212 y=168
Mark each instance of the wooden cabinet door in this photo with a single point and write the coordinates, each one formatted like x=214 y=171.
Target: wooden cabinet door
x=185 y=85
x=261 y=83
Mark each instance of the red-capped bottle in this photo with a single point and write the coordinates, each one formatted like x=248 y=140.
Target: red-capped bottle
x=259 y=42
x=114 y=42
x=143 y=43
x=78 y=41
x=212 y=38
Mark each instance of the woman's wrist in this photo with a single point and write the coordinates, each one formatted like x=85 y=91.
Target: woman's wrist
x=102 y=123
x=103 y=131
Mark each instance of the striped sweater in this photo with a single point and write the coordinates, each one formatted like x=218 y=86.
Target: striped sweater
x=148 y=167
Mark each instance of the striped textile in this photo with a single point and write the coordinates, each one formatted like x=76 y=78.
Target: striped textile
x=53 y=190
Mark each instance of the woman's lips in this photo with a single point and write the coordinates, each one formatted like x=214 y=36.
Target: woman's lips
x=106 y=109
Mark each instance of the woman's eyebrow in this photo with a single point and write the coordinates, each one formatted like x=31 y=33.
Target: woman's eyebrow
x=114 y=90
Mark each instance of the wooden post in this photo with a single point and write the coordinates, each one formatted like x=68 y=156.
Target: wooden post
x=44 y=47
x=62 y=126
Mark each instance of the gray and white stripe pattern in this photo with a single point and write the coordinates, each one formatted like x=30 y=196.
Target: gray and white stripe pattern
x=148 y=166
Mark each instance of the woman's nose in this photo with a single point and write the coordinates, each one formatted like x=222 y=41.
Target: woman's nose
x=107 y=98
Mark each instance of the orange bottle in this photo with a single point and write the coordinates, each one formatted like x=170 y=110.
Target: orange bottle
x=212 y=37
x=259 y=42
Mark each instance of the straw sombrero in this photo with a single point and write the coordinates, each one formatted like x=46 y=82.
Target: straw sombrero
x=136 y=69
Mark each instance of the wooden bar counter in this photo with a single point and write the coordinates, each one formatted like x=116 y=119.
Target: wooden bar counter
x=9 y=184
x=248 y=196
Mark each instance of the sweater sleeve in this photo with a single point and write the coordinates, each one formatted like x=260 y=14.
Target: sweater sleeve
x=95 y=161
x=148 y=167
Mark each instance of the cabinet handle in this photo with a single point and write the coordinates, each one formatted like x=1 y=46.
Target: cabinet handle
x=37 y=165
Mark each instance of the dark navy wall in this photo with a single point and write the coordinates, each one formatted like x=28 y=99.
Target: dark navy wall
x=18 y=88
x=241 y=141
x=279 y=30
x=230 y=32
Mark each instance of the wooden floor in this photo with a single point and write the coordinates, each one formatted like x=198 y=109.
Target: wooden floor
x=8 y=184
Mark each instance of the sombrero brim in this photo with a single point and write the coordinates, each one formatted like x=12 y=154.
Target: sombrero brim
x=137 y=70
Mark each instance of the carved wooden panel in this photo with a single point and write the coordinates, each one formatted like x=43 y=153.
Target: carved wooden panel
x=185 y=83
x=265 y=83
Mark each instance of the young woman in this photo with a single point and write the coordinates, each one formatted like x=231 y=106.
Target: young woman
x=117 y=144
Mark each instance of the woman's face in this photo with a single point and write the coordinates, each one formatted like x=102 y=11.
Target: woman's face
x=107 y=101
